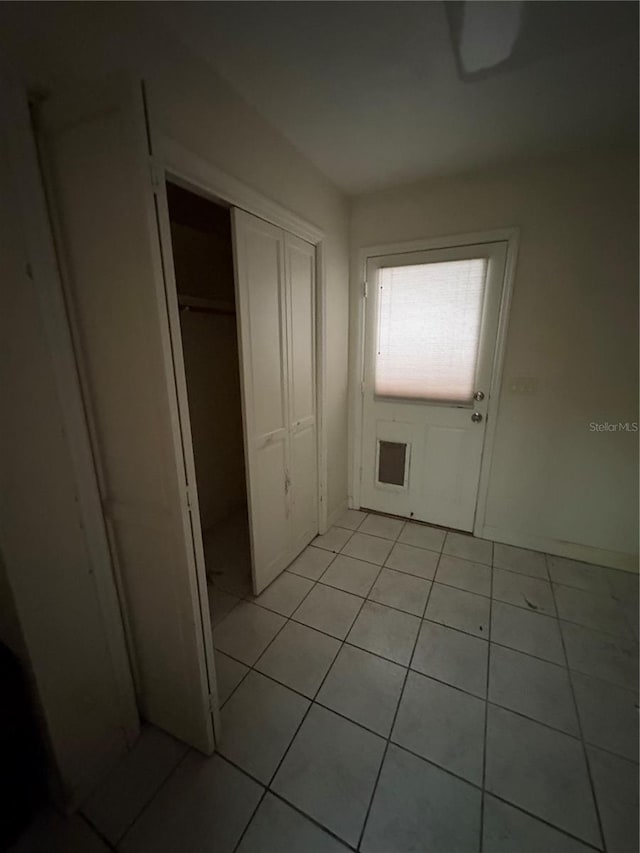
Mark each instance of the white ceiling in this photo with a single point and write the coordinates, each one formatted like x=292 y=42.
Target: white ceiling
x=371 y=92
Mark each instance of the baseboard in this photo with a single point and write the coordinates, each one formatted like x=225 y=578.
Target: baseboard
x=559 y=548
x=337 y=513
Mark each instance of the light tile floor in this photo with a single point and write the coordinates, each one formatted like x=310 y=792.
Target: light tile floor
x=401 y=688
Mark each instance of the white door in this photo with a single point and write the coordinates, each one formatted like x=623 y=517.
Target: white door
x=109 y=242
x=276 y=323
x=431 y=324
x=300 y=260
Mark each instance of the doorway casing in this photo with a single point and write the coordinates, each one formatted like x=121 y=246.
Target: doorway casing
x=508 y=235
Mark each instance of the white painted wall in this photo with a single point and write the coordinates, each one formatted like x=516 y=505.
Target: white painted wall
x=40 y=532
x=197 y=108
x=554 y=483
x=201 y=112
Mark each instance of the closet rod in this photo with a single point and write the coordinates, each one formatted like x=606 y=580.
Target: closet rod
x=206 y=310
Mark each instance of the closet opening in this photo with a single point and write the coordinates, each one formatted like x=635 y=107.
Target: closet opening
x=204 y=273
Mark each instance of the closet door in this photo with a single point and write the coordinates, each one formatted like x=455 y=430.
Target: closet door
x=100 y=169
x=262 y=325
x=301 y=298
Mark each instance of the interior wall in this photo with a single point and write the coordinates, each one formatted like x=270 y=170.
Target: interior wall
x=555 y=481
x=203 y=262
x=51 y=46
x=252 y=151
x=68 y=42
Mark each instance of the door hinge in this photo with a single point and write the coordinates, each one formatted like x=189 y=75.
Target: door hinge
x=212 y=702
x=365 y=289
x=188 y=494
x=362 y=388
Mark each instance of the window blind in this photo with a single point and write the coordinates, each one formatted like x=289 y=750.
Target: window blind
x=429 y=318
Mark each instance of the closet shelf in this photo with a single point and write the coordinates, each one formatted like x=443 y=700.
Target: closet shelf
x=211 y=306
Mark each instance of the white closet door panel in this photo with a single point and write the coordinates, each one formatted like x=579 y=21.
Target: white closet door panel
x=271 y=525
x=300 y=269
x=112 y=307
x=97 y=144
x=262 y=327
x=264 y=262
x=305 y=486
x=300 y=258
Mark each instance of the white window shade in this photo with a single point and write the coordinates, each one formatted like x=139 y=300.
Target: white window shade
x=429 y=318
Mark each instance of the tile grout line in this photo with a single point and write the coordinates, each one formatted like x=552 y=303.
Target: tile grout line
x=98 y=833
x=447 y=530
x=582 y=740
x=455 y=687
x=267 y=786
x=312 y=702
x=251 y=668
x=247 y=598
x=438 y=552
x=253 y=813
x=313 y=820
x=251 y=599
x=491 y=565
x=536 y=612
x=486 y=709
x=395 y=716
x=432 y=677
x=148 y=802
x=428 y=761
x=382 y=657
x=544 y=821
x=282 y=799
x=444 y=769
x=344 y=642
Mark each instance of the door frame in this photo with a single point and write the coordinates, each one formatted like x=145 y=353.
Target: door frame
x=510 y=236
x=170 y=161
x=173 y=162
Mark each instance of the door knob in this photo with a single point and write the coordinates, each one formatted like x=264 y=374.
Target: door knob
x=476 y=417
x=479 y=395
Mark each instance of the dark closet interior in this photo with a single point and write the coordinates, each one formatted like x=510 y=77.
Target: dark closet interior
x=203 y=262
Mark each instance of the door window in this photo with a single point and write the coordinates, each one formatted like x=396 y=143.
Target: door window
x=429 y=322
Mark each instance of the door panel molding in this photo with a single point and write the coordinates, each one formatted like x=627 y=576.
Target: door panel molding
x=276 y=352
x=266 y=473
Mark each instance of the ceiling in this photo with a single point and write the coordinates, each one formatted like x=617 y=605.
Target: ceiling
x=376 y=94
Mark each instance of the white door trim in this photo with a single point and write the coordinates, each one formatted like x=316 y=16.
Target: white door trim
x=508 y=235
x=174 y=162
x=45 y=272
